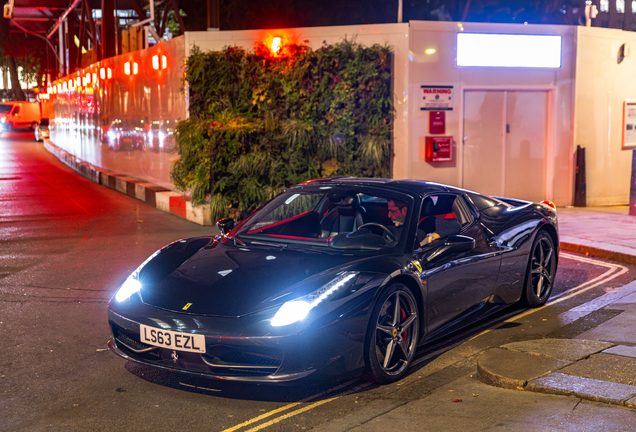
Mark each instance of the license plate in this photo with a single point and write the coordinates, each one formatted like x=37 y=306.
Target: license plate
x=172 y=340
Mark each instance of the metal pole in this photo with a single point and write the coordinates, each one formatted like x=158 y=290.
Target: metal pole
x=61 y=46
x=399 y=11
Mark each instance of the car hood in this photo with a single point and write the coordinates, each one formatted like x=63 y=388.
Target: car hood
x=230 y=281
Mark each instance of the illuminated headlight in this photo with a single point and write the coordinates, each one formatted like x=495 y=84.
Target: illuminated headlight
x=149 y=135
x=111 y=134
x=132 y=284
x=128 y=288
x=3 y=119
x=296 y=310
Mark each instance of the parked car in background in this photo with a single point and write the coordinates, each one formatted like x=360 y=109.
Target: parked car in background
x=19 y=115
x=42 y=130
x=125 y=134
x=160 y=136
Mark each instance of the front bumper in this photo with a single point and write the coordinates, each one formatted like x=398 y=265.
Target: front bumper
x=246 y=352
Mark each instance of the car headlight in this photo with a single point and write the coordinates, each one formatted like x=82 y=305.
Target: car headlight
x=296 y=310
x=3 y=119
x=132 y=284
x=111 y=135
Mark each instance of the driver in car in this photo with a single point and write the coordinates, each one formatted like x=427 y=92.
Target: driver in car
x=397 y=213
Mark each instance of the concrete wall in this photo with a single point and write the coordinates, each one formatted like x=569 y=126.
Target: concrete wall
x=602 y=85
x=441 y=68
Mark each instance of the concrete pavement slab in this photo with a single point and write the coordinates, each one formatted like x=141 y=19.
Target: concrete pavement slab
x=486 y=408
x=619 y=330
x=512 y=369
x=622 y=350
x=605 y=367
x=623 y=295
x=565 y=349
x=586 y=388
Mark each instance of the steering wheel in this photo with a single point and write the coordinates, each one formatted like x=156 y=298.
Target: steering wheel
x=386 y=233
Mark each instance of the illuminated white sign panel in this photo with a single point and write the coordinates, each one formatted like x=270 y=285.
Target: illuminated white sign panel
x=508 y=50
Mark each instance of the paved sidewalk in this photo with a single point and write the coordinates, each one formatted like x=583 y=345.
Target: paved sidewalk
x=606 y=232
x=598 y=365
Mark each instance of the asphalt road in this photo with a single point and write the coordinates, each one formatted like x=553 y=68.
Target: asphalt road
x=66 y=244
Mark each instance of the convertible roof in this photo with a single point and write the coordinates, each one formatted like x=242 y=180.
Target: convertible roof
x=412 y=186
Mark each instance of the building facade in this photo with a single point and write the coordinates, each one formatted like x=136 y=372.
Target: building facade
x=496 y=108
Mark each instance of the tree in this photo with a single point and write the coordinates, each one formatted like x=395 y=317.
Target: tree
x=16 y=48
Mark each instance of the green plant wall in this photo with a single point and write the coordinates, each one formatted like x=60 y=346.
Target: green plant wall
x=260 y=123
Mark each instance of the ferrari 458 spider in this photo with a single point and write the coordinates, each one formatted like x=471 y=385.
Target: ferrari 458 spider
x=333 y=278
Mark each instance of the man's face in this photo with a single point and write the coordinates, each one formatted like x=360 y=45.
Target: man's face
x=397 y=212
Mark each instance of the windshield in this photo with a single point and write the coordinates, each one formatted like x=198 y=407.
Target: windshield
x=4 y=109
x=336 y=218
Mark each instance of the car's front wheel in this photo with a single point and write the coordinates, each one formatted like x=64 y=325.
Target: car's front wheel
x=541 y=271
x=393 y=334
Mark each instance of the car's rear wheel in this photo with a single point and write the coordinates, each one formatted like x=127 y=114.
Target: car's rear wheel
x=541 y=271
x=393 y=335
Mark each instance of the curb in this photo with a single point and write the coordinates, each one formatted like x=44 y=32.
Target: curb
x=597 y=252
x=157 y=196
x=541 y=373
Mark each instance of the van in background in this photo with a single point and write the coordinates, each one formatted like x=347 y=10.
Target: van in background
x=18 y=115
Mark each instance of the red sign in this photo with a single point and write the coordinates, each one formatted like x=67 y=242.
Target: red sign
x=437 y=122
x=439 y=149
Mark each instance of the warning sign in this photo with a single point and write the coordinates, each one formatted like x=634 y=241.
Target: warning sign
x=436 y=98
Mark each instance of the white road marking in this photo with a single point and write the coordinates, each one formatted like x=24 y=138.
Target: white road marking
x=614 y=271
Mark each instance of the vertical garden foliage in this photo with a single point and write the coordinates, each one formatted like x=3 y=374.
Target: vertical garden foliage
x=261 y=123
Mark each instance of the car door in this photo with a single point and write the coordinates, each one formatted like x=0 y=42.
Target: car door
x=16 y=117
x=458 y=283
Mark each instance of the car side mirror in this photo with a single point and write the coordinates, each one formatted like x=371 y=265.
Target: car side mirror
x=454 y=244
x=226 y=225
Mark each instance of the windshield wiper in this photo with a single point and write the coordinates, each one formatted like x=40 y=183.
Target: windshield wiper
x=276 y=245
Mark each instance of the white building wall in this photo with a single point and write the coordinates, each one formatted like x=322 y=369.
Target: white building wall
x=441 y=68
x=602 y=85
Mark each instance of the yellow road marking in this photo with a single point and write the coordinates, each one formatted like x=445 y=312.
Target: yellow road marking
x=291 y=414
x=261 y=417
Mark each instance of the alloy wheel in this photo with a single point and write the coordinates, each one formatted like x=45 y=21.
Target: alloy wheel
x=541 y=268
x=396 y=333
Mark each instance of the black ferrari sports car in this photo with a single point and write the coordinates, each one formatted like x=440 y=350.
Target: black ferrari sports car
x=332 y=278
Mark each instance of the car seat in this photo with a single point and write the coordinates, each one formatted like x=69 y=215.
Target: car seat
x=344 y=216
x=427 y=218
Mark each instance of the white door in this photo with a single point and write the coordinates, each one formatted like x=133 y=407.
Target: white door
x=504 y=143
